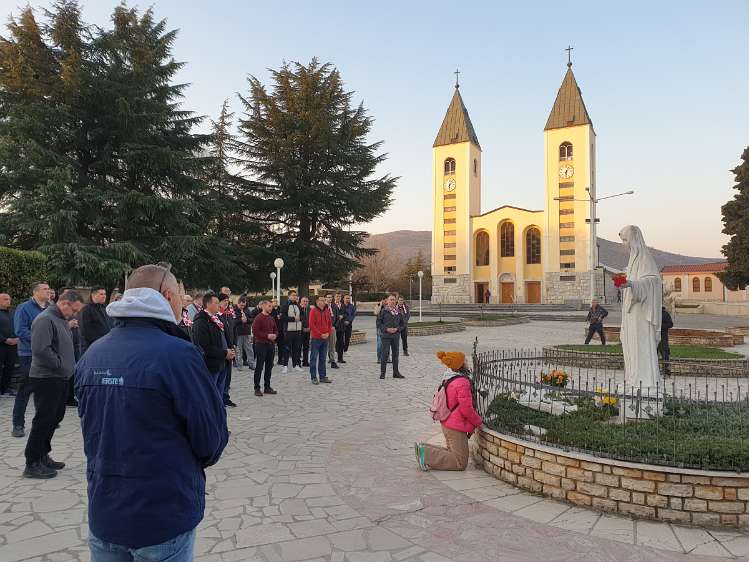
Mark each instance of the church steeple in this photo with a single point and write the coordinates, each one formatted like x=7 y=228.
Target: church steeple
x=456 y=126
x=569 y=107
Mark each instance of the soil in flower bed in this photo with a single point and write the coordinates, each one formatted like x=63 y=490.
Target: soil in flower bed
x=677 y=351
x=432 y=323
x=709 y=437
x=493 y=317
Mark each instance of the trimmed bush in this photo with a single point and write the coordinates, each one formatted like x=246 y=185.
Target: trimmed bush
x=18 y=270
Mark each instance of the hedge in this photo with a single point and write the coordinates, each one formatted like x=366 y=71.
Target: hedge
x=18 y=270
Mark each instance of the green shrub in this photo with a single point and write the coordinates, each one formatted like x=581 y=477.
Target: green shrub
x=18 y=270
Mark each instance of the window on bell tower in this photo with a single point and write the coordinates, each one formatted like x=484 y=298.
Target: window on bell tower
x=475 y=167
x=450 y=166
x=565 y=151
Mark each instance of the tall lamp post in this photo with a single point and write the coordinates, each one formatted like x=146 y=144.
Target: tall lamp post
x=273 y=284
x=279 y=264
x=593 y=251
x=421 y=275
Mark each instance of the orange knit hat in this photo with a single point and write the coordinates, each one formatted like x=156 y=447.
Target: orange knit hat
x=452 y=359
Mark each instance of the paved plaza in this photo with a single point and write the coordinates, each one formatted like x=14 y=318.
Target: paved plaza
x=328 y=473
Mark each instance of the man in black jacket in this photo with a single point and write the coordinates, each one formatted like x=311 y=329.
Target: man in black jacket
x=304 y=310
x=208 y=335
x=228 y=317
x=94 y=321
x=390 y=323
x=335 y=314
x=8 y=343
x=596 y=314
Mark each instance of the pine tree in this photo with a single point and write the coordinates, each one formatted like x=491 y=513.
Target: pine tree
x=736 y=225
x=307 y=173
x=99 y=165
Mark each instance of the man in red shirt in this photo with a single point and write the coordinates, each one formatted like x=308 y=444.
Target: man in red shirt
x=265 y=333
x=320 y=328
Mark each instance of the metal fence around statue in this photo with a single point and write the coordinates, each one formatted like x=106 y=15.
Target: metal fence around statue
x=686 y=421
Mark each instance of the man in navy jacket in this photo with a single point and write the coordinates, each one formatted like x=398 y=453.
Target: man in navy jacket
x=152 y=421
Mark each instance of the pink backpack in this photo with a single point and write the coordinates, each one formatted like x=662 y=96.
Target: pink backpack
x=439 y=409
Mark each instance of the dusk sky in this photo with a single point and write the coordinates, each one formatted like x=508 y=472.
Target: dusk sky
x=665 y=84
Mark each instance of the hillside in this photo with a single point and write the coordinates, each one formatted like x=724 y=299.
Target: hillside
x=404 y=244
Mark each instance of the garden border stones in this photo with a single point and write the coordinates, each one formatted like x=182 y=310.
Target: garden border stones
x=437 y=328
x=477 y=322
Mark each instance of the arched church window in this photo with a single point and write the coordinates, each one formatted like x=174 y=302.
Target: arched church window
x=708 y=285
x=450 y=166
x=565 y=151
x=696 y=285
x=482 y=248
x=532 y=246
x=677 y=284
x=507 y=240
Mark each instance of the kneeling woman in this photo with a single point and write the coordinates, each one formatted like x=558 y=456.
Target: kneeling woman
x=461 y=423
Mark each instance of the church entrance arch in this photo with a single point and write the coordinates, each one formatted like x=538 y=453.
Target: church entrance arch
x=507 y=288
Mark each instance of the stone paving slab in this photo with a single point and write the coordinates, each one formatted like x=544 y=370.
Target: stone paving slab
x=327 y=473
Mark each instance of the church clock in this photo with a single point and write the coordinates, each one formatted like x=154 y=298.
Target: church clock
x=450 y=185
x=566 y=171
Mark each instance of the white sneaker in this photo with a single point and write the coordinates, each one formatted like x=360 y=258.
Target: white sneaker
x=298 y=368
x=285 y=370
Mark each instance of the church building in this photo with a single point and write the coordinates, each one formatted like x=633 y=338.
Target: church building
x=510 y=254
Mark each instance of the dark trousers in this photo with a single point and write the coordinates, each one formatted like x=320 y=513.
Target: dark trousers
x=404 y=339
x=305 y=349
x=227 y=383
x=665 y=350
x=593 y=329
x=280 y=343
x=340 y=343
x=349 y=329
x=24 y=392
x=7 y=363
x=264 y=353
x=389 y=342
x=291 y=350
x=49 y=400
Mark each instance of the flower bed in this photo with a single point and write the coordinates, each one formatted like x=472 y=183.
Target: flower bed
x=435 y=328
x=683 y=336
x=490 y=321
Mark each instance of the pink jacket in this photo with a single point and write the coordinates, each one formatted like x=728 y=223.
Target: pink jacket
x=464 y=418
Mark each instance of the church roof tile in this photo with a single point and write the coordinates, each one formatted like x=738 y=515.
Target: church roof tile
x=569 y=108
x=456 y=126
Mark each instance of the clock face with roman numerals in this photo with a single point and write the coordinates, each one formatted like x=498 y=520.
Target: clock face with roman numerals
x=450 y=185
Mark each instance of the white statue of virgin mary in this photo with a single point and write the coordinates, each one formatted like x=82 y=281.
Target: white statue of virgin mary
x=641 y=312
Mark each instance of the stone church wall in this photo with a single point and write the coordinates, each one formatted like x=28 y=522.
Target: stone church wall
x=451 y=293
x=560 y=291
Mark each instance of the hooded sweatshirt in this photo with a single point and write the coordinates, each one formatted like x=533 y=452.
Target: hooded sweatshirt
x=152 y=420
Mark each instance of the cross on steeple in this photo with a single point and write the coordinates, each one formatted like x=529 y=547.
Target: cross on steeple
x=457 y=78
x=569 y=56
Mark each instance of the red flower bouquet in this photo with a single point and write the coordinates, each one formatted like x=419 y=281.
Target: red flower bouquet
x=619 y=279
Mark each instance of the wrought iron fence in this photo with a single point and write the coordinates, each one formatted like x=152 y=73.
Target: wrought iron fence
x=685 y=421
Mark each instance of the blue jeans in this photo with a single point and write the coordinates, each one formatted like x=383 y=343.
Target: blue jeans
x=178 y=549
x=221 y=382
x=24 y=392
x=318 y=353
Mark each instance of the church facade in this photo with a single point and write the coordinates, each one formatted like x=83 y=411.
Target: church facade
x=511 y=254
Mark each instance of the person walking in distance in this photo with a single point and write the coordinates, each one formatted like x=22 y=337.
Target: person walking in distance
x=52 y=366
x=304 y=310
x=265 y=334
x=22 y=320
x=94 y=322
x=152 y=422
x=390 y=323
x=334 y=312
x=292 y=327
x=208 y=335
x=349 y=314
x=244 y=337
x=596 y=314
x=227 y=316
x=320 y=325
x=8 y=343
x=405 y=310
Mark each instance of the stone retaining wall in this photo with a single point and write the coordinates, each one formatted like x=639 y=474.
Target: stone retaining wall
x=492 y=323
x=704 y=498
x=435 y=329
x=683 y=336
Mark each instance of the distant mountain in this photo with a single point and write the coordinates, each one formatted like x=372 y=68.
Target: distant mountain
x=405 y=244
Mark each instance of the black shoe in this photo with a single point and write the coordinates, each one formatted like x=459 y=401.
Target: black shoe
x=341 y=361
x=382 y=376
x=405 y=353
x=230 y=404
x=398 y=376
x=305 y=364
x=269 y=390
x=315 y=381
x=39 y=470
x=72 y=403
x=49 y=462
x=258 y=392
x=334 y=365
x=326 y=380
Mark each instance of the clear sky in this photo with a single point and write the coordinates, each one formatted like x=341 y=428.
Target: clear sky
x=665 y=83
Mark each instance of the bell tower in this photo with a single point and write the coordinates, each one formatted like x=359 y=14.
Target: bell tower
x=570 y=178
x=456 y=197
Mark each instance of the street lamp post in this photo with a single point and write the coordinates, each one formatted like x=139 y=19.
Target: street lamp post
x=421 y=275
x=279 y=264
x=273 y=284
